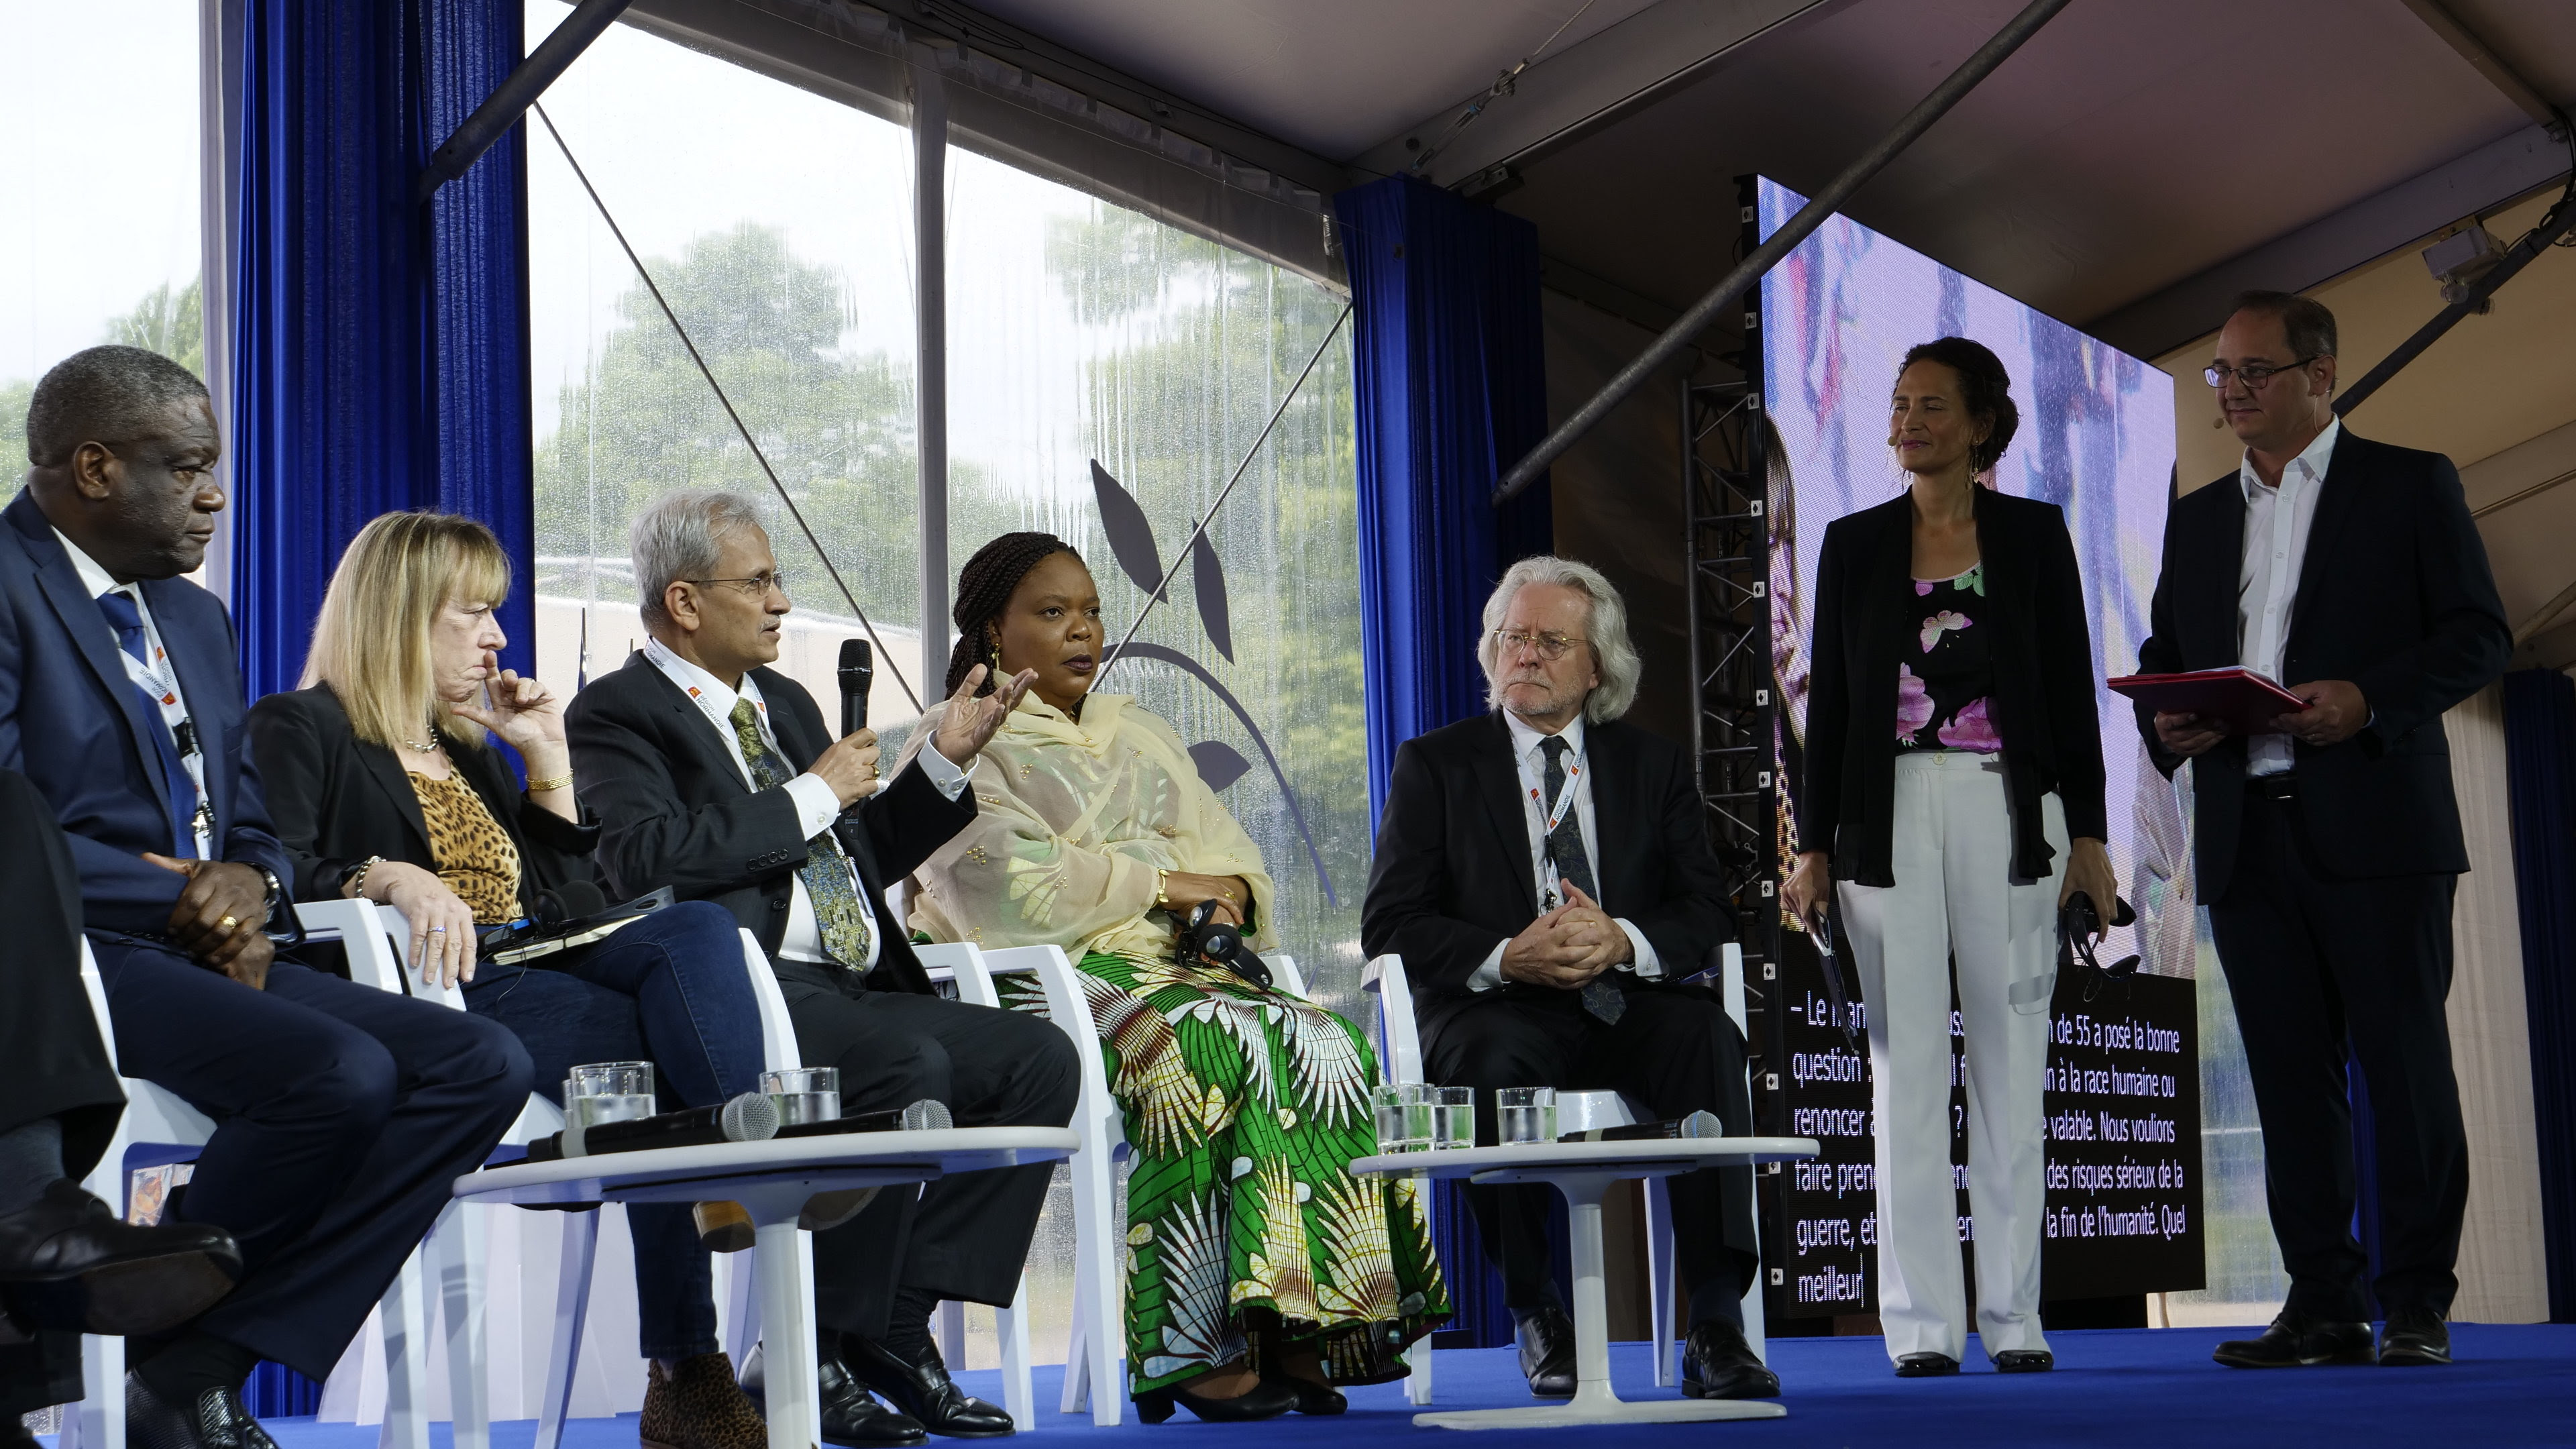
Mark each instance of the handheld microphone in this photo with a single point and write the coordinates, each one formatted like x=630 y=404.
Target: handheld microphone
x=751 y=1117
x=1695 y=1125
x=858 y=671
x=927 y=1115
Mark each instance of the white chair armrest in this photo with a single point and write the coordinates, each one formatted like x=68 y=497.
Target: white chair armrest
x=963 y=963
x=1399 y=1041
x=1284 y=974
x=777 y=1031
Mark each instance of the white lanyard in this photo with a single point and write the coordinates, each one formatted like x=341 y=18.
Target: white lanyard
x=1549 y=816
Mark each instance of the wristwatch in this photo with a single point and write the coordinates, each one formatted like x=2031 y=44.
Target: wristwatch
x=280 y=906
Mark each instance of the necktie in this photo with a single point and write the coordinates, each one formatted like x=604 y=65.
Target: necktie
x=1601 y=997
x=121 y=612
x=826 y=871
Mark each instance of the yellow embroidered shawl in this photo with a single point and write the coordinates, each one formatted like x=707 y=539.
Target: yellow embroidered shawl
x=1072 y=821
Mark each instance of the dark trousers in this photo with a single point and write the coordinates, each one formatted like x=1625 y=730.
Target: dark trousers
x=1676 y=1051
x=53 y=1062
x=965 y=1237
x=2326 y=970
x=344 y=1114
x=669 y=989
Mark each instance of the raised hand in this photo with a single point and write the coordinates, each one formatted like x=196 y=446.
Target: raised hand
x=969 y=723
x=526 y=715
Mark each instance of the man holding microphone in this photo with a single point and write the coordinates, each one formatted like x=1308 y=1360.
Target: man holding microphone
x=2330 y=847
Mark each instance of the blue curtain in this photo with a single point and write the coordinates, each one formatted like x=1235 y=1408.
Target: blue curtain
x=1452 y=389
x=380 y=348
x=2540 y=757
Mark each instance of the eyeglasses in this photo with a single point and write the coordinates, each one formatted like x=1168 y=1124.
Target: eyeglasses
x=1550 y=647
x=758 y=585
x=2252 y=374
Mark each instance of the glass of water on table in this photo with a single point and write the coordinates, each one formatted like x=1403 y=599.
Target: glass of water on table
x=1525 y=1114
x=1453 y=1118
x=804 y=1094
x=1404 y=1112
x=609 y=1092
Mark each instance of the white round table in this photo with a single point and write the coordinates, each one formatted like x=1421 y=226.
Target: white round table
x=1583 y=1171
x=772 y=1180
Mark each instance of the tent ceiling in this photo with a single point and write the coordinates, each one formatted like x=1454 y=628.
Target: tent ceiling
x=2126 y=148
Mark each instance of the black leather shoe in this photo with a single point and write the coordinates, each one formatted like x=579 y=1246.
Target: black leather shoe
x=2025 y=1361
x=1315 y=1398
x=1717 y=1363
x=2297 y=1341
x=216 y=1420
x=923 y=1390
x=850 y=1417
x=70 y=1263
x=1925 y=1365
x=2414 y=1338
x=1547 y=1352
x=1267 y=1399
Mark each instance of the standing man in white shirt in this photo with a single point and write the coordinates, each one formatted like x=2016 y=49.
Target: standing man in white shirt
x=715 y=775
x=1545 y=873
x=2329 y=846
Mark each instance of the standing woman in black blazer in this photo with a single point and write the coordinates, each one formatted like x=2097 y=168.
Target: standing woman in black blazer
x=384 y=784
x=1952 y=747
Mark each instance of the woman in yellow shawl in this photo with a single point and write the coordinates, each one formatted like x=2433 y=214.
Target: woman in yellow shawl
x=1261 y=1273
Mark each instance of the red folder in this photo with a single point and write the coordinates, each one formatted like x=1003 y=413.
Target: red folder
x=2244 y=701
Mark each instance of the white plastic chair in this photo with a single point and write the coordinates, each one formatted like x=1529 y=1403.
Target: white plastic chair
x=1093 y=1377
x=963 y=963
x=153 y=1118
x=1400 y=1051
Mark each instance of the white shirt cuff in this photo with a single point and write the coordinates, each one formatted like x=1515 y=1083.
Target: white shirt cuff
x=1647 y=965
x=1489 y=975
x=944 y=772
x=817 y=804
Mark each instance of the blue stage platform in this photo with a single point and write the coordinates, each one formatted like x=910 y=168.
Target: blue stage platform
x=2514 y=1385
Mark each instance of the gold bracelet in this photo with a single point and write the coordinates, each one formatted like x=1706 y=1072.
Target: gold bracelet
x=559 y=782
x=1162 y=889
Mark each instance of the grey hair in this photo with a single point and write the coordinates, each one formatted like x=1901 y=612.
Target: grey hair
x=1605 y=629
x=677 y=538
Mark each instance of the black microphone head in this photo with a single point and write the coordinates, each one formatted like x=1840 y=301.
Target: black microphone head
x=855 y=654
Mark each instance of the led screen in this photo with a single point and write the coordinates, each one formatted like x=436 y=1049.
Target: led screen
x=2096 y=438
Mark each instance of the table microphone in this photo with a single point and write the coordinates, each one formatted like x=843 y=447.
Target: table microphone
x=1696 y=1124
x=751 y=1117
x=858 y=671
x=927 y=1115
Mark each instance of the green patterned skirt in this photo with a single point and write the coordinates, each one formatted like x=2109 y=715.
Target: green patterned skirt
x=1244 y=1109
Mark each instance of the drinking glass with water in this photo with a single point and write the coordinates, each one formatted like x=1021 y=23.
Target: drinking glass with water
x=1453 y=1118
x=804 y=1094
x=1404 y=1111
x=608 y=1092
x=1525 y=1114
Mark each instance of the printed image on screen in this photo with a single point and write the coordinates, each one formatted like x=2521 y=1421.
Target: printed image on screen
x=2096 y=438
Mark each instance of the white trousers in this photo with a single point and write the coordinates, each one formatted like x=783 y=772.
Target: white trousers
x=1955 y=901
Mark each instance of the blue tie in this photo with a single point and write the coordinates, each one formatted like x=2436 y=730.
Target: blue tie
x=121 y=612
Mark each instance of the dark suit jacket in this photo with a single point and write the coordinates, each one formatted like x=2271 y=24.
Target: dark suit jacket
x=673 y=809
x=2395 y=595
x=338 y=800
x=1452 y=875
x=2042 y=705
x=71 y=721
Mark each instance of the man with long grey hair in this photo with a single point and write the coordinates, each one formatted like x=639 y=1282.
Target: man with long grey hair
x=1545 y=873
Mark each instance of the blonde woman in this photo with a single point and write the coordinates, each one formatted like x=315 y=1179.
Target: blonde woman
x=1261 y=1273
x=384 y=782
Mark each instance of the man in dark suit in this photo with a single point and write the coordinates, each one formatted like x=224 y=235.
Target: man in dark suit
x=2328 y=848
x=344 y=1113
x=1545 y=873
x=68 y=1264
x=714 y=775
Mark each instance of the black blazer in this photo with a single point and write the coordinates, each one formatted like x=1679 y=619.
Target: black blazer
x=1452 y=875
x=338 y=799
x=674 y=810
x=2395 y=595
x=2042 y=707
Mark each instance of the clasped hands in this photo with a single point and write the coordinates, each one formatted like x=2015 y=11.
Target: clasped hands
x=1568 y=946
x=2335 y=713
x=221 y=917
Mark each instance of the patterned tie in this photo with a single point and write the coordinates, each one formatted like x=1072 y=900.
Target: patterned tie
x=1601 y=998
x=121 y=612
x=826 y=871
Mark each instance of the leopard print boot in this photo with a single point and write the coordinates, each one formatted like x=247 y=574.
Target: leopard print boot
x=697 y=1405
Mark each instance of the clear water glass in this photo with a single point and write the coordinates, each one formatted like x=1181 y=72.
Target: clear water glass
x=1403 y=1117
x=1525 y=1114
x=1453 y=1118
x=609 y=1092
x=804 y=1094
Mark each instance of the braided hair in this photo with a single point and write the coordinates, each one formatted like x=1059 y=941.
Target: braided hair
x=984 y=588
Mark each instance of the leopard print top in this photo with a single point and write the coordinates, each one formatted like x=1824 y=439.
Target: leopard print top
x=474 y=854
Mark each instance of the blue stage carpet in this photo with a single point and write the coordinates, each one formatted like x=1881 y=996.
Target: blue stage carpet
x=2514 y=1385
